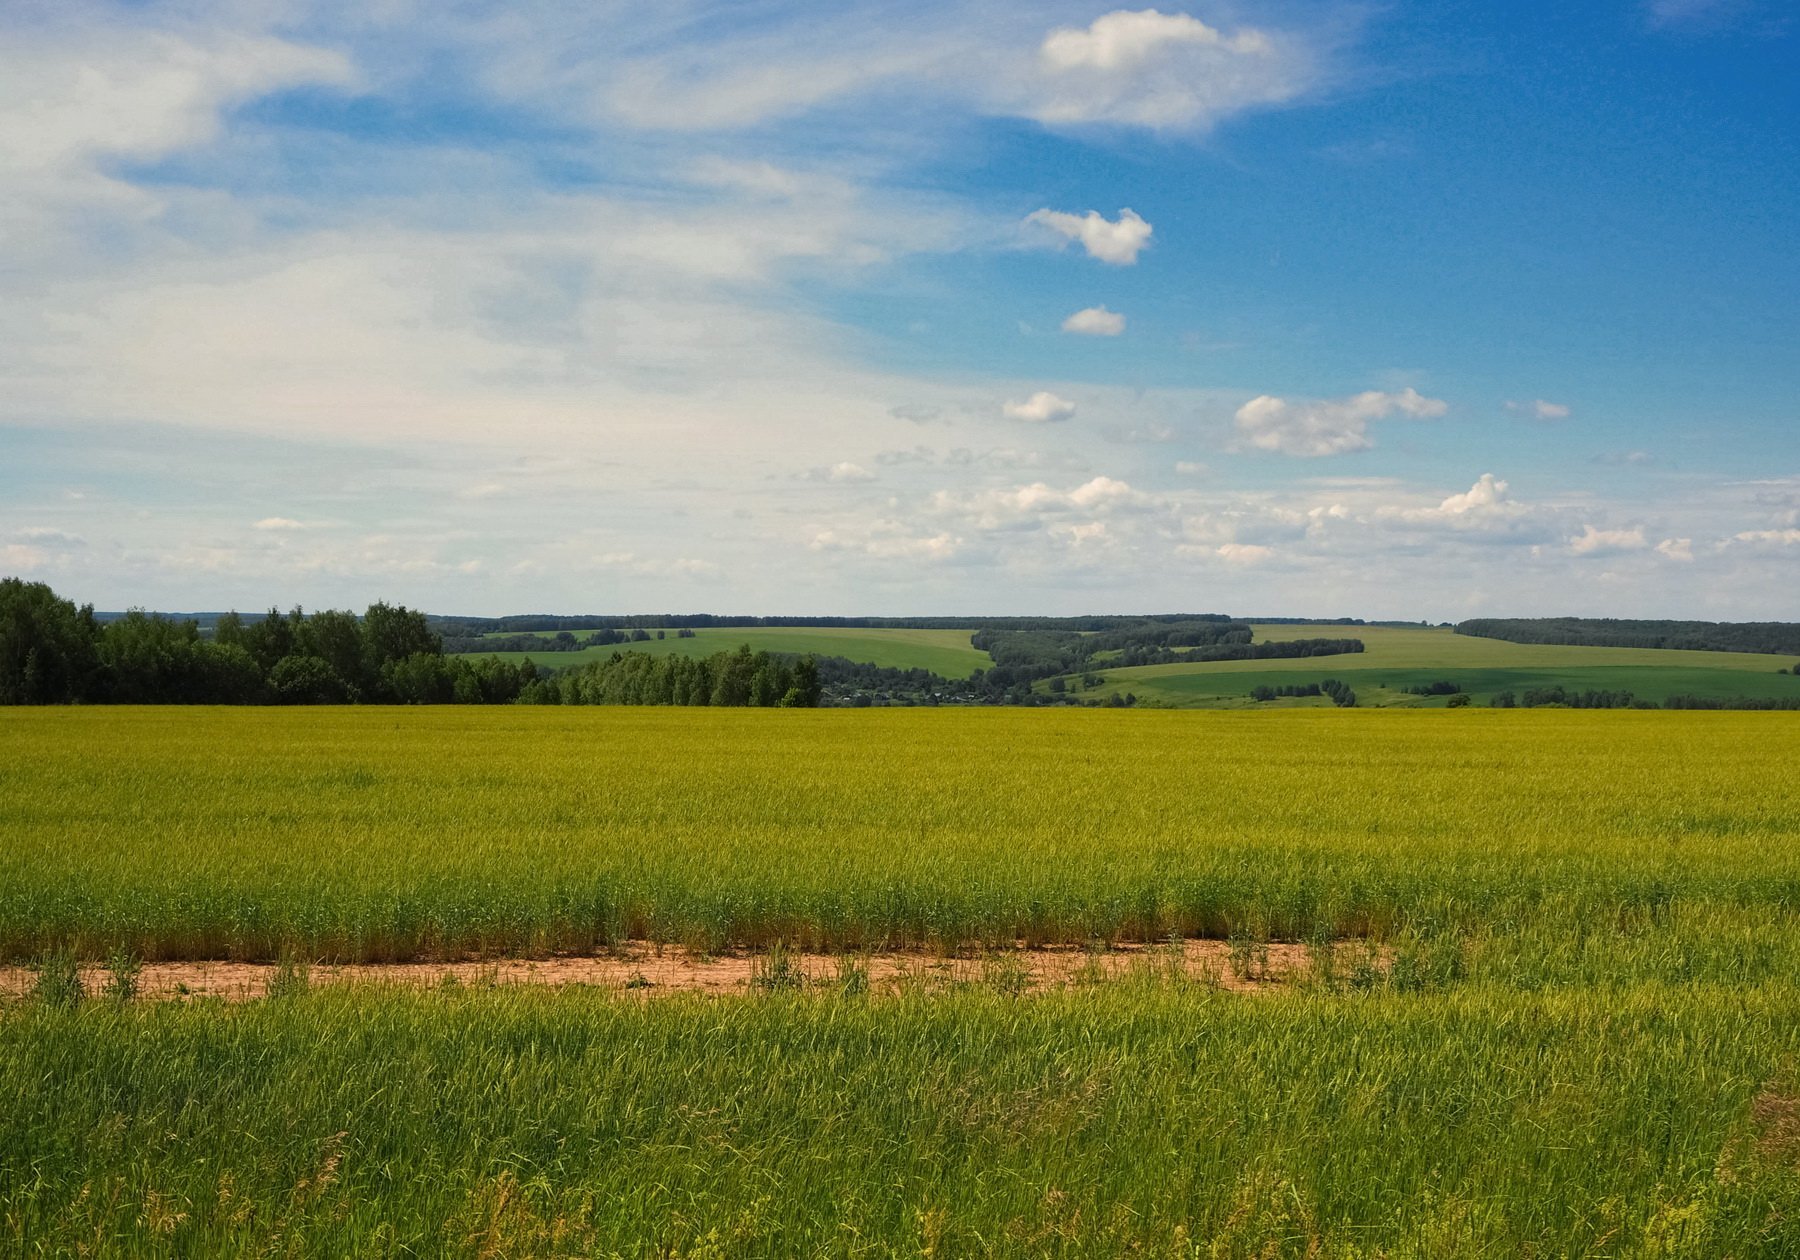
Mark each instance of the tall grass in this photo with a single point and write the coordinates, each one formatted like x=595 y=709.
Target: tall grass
x=1150 y=1119
x=356 y=834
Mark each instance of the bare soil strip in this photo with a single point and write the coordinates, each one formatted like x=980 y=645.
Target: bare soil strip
x=650 y=971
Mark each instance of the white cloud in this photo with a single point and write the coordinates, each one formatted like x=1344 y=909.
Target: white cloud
x=1162 y=70
x=1485 y=512
x=279 y=523
x=1123 y=40
x=1026 y=507
x=1607 y=542
x=1243 y=553
x=1042 y=407
x=1095 y=321
x=1191 y=468
x=885 y=544
x=1767 y=538
x=1678 y=549
x=45 y=536
x=1311 y=428
x=1117 y=241
x=848 y=472
x=1540 y=409
x=20 y=558
x=1666 y=14
x=138 y=94
x=1487 y=494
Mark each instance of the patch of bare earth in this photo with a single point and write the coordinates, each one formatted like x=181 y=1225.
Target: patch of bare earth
x=648 y=970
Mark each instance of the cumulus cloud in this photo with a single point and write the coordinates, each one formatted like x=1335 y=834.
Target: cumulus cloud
x=1116 y=241
x=1678 y=549
x=1607 y=542
x=1095 y=321
x=847 y=472
x=1485 y=512
x=1333 y=426
x=1042 y=407
x=1026 y=507
x=279 y=523
x=1161 y=70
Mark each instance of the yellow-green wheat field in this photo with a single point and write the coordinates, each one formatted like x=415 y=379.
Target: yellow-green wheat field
x=369 y=834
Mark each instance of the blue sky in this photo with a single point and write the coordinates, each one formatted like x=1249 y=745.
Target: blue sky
x=1402 y=310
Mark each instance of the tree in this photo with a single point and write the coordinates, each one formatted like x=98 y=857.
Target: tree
x=393 y=632
x=336 y=637
x=305 y=680
x=47 y=653
x=806 y=689
x=271 y=638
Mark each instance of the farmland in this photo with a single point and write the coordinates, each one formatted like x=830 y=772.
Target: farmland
x=1395 y=658
x=944 y=652
x=1542 y=991
x=355 y=833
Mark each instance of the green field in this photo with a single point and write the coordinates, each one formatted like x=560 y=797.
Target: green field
x=1552 y=1006
x=943 y=652
x=1395 y=658
x=368 y=833
x=1133 y=1120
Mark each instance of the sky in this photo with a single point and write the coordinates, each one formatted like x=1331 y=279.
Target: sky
x=1389 y=310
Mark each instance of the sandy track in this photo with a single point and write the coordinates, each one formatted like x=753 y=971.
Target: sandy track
x=642 y=968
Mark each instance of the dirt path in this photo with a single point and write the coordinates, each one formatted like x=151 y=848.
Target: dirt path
x=642 y=968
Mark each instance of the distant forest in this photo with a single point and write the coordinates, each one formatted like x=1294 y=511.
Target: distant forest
x=1779 y=638
x=52 y=652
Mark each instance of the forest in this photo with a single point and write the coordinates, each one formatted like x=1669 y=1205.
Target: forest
x=1773 y=637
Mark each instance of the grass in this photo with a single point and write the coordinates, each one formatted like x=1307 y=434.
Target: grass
x=1579 y=1033
x=943 y=652
x=1395 y=658
x=1129 y=1119
x=348 y=834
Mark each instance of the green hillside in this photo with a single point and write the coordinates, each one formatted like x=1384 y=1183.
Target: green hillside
x=945 y=652
x=1397 y=658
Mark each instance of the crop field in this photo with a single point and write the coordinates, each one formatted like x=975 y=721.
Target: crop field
x=1395 y=658
x=357 y=833
x=1542 y=997
x=943 y=652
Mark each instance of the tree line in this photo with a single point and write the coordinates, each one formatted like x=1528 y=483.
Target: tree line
x=1570 y=698
x=52 y=652
x=724 y=679
x=1022 y=657
x=1774 y=637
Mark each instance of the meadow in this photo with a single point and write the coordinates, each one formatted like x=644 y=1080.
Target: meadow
x=1131 y=1119
x=943 y=652
x=1395 y=658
